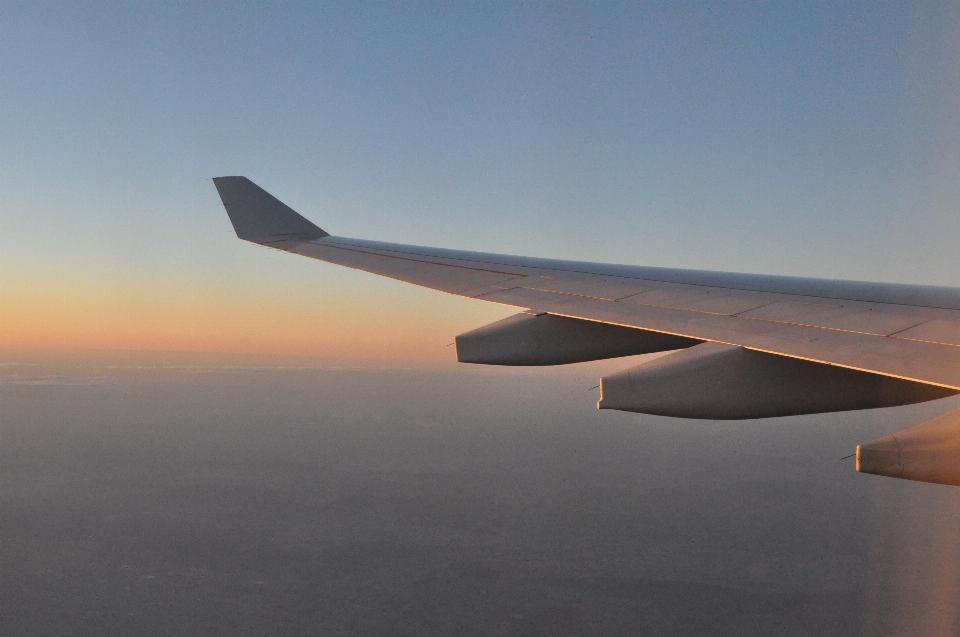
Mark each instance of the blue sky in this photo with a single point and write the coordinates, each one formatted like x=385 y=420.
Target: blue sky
x=808 y=139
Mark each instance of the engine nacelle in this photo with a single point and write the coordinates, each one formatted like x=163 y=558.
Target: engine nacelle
x=929 y=452
x=547 y=339
x=723 y=382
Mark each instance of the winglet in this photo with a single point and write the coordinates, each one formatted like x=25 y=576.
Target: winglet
x=260 y=217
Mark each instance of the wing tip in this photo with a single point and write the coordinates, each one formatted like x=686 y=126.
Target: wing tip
x=260 y=217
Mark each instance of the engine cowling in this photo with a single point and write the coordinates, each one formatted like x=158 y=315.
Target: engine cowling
x=724 y=382
x=929 y=452
x=547 y=339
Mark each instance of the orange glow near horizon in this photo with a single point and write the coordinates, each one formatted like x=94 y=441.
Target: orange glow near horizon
x=86 y=310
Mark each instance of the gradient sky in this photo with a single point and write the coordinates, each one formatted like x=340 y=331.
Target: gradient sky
x=807 y=139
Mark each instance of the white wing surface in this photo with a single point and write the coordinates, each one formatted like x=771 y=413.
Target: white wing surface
x=811 y=345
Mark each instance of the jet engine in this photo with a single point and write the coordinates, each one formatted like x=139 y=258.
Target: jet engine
x=929 y=452
x=548 y=339
x=724 y=382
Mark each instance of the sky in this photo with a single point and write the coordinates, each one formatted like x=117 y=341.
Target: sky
x=801 y=139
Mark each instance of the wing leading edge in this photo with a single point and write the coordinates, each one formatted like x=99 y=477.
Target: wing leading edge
x=808 y=345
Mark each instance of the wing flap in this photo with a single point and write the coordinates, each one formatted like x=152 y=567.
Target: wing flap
x=700 y=299
x=606 y=288
x=849 y=316
x=935 y=331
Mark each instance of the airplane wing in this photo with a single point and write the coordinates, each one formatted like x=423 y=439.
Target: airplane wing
x=748 y=346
